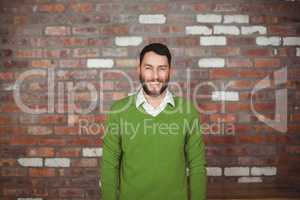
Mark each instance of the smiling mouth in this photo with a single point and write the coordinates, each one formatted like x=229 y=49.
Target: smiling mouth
x=154 y=83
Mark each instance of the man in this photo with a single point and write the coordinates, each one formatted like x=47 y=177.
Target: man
x=152 y=138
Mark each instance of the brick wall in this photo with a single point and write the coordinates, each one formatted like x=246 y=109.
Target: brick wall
x=239 y=61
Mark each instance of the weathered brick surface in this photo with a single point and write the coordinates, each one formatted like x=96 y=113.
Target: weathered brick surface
x=235 y=58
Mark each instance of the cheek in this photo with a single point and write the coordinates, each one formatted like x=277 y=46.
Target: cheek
x=147 y=76
x=163 y=75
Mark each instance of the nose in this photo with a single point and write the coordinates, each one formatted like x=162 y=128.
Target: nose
x=155 y=74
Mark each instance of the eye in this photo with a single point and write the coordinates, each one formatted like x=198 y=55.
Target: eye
x=148 y=67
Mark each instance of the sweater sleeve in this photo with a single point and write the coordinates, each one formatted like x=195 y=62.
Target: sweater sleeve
x=110 y=166
x=195 y=154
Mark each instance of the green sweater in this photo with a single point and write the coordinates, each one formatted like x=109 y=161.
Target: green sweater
x=146 y=157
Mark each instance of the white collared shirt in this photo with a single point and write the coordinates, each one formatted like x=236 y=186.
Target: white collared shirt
x=140 y=99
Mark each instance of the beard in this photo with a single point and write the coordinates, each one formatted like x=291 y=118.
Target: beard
x=154 y=93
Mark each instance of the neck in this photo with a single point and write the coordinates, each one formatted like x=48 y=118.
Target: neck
x=155 y=100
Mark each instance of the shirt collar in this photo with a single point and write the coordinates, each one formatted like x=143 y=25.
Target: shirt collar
x=140 y=98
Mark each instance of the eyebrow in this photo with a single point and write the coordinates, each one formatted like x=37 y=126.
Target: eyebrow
x=146 y=64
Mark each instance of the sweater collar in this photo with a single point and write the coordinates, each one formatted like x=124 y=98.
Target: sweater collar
x=140 y=98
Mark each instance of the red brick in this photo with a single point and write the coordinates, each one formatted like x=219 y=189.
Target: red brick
x=6 y=76
x=256 y=52
x=38 y=53
x=84 y=162
x=41 y=172
x=39 y=130
x=40 y=151
x=78 y=63
x=68 y=152
x=85 y=31
x=212 y=151
x=13 y=171
x=85 y=141
x=42 y=192
x=85 y=52
x=222 y=73
x=187 y=41
x=72 y=41
x=98 y=18
x=259 y=161
x=52 y=8
x=6 y=53
x=76 y=75
x=4 y=120
x=66 y=130
x=243 y=128
x=116 y=29
x=267 y=62
x=52 y=119
x=260 y=107
x=201 y=7
x=210 y=107
x=264 y=19
x=223 y=117
x=13 y=130
x=240 y=84
x=294 y=73
x=226 y=7
x=52 y=141
x=283 y=30
x=295 y=117
x=239 y=62
x=13 y=191
x=82 y=7
x=159 y=7
x=57 y=53
x=293 y=149
x=100 y=42
x=234 y=151
x=286 y=51
x=283 y=139
x=171 y=29
x=71 y=192
x=250 y=73
x=75 y=119
x=43 y=63
x=23 y=141
x=241 y=41
x=20 y=20
x=226 y=51
x=213 y=139
x=16 y=63
x=237 y=107
x=253 y=139
x=7 y=162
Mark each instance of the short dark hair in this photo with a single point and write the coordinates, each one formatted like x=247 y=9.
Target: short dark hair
x=158 y=48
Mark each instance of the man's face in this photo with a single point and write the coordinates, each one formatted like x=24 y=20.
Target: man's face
x=154 y=73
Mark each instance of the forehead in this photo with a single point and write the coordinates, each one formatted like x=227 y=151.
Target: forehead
x=154 y=58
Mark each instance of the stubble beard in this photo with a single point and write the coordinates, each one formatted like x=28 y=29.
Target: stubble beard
x=151 y=93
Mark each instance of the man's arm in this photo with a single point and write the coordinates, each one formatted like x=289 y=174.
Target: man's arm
x=195 y=153
x=111 y=159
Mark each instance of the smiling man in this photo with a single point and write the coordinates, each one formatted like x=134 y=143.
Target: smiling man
x=161 y=155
